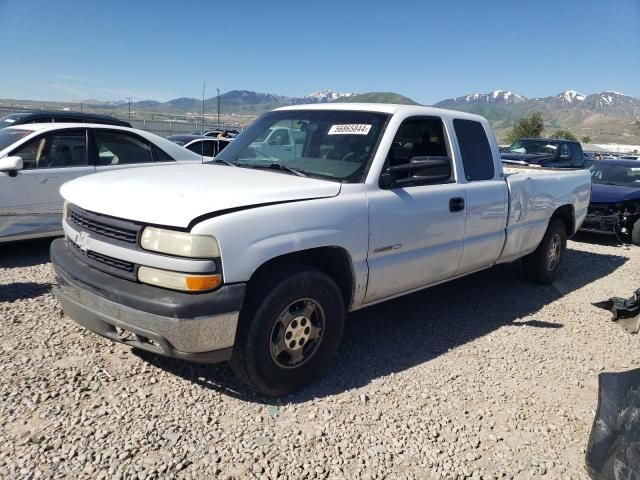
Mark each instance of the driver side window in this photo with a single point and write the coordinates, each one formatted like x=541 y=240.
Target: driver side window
x=55 y=150
x=417 y=137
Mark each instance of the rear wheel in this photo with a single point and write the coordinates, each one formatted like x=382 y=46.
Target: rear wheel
x=289 y=330
x=543 y=264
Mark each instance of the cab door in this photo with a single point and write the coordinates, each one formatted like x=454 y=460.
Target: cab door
x=486 y=198
x=416 y=231
x=30 y=202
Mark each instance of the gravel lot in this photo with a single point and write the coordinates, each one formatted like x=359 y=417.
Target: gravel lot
x=485 y=377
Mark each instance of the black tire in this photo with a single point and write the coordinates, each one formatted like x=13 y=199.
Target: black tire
x=270 y=301
x=635 y=233
x=539 y=266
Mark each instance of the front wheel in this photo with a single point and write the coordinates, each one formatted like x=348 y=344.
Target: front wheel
x=542 y=266
x=289 y=331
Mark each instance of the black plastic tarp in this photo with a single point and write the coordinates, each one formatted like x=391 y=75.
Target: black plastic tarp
x=625 y=311
x=613 y=452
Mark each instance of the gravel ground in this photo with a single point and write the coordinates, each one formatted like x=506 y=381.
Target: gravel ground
x=485 y=377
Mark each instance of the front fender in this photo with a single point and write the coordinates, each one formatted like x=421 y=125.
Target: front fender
x=250 y=238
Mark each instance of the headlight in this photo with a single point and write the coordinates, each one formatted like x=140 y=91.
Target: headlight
x=65 y=206
x=179 y=243
x=187 y=282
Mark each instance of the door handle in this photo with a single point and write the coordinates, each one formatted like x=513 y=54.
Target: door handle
x=456 y=204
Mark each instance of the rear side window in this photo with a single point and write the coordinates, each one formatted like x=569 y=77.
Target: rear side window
x=160 y=155
x=119 y=148
x=203 y=148
x=477 y=159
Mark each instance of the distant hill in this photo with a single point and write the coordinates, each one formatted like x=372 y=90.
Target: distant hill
x=241 y=102
x=378 y=97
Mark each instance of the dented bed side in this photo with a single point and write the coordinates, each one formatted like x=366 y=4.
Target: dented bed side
x=534 y=196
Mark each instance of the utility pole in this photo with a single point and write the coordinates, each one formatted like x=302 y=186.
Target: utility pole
x=203 y=87
x=218 y=106
x=129 y=99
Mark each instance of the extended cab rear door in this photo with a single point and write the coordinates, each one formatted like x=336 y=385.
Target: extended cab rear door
x=486 y=195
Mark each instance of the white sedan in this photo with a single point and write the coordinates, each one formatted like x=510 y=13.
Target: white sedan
x=36 y=159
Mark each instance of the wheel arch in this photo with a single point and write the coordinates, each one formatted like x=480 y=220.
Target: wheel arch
x=567 y=214
x=335 y=261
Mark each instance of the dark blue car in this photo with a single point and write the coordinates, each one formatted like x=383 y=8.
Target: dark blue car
x=615 y=199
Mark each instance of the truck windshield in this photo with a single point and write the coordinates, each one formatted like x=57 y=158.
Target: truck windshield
x=613 y=174
x=332 y=144
x=534 y=147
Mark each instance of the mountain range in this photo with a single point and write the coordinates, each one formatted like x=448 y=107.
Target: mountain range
x=607 y=117
x=237 y=102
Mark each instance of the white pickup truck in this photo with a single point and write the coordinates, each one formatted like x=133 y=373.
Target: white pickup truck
x=255 y=259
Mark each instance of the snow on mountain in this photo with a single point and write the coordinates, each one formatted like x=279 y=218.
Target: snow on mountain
x=328 y=95
x=571 y=96
x=504 y=97
x=610 y=102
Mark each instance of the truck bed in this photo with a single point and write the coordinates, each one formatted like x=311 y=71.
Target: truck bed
x=534 y=194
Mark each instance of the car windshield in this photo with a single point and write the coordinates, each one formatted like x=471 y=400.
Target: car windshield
x=9 y=120
x=332 y=144
x=534 y=147
x=9 y=136
x=612 y=174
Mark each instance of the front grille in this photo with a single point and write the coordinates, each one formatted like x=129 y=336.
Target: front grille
x=119 y=230
x=119 y=268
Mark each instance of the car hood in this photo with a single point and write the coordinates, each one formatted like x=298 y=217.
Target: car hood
x=526 y=158
x=601 y=193
x=174 y=195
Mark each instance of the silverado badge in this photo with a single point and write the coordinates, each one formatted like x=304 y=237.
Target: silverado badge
x=83 y=240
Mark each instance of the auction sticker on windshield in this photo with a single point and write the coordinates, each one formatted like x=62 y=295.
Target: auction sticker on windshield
x=350 y=129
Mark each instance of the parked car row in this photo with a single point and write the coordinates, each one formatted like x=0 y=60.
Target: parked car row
x=615 y=197
x=379 y=201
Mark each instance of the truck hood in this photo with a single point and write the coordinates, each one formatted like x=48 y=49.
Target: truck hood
x=174 y=195
x=525 y=158
x=601 y=193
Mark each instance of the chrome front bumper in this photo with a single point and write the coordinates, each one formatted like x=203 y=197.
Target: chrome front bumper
x=199 y=328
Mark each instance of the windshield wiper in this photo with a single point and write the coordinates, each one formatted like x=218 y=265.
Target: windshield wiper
x=294 y=171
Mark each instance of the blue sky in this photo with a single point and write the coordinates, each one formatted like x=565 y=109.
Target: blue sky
x=427 y=50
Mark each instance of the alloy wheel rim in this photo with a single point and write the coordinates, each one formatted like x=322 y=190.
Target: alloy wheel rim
x=554 y=252
x=297 y=333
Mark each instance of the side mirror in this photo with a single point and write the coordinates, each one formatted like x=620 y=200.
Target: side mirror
x=11 y=165
x=419 y=171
